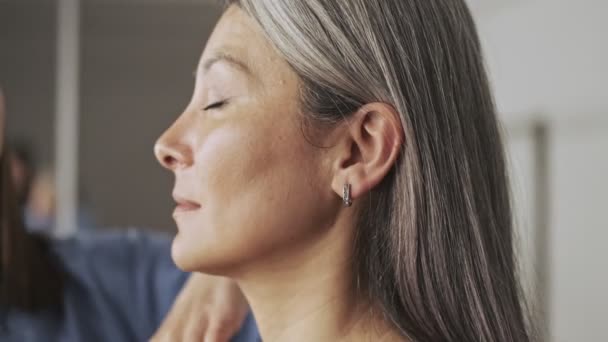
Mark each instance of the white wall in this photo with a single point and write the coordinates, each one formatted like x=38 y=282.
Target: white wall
x=548 y=55
x=580 y=230
x=548 y=58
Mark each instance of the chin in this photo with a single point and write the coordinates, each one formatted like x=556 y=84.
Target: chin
x=190 y=255
x=180 y=257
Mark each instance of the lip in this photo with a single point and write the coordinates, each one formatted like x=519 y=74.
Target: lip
x=185 y=205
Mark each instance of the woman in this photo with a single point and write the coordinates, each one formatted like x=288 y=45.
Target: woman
x=347 y=154
x=102 y=286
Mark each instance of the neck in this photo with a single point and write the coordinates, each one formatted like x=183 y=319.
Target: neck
x=309 y=295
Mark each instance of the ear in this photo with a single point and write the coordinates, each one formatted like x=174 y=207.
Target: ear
x=368 y=149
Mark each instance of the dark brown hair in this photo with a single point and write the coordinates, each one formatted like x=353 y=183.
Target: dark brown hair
x=29 y=278
x=435 y=244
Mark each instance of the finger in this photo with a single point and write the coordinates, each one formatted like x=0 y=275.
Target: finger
x=221 y=330
x=168 y=331
x=166 y=327
x=218 y=335
x=172 y=327
x=167 y=336
x=194 y=331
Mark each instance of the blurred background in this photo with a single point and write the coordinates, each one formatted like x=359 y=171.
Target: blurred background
x=91 y=84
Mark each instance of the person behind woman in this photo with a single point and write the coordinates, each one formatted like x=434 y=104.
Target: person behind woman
x=102 y=286
x=343 y=162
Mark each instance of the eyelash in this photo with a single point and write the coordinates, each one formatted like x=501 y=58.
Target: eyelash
x=214 y=105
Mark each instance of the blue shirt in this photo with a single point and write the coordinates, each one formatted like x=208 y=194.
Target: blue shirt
x=119 y=286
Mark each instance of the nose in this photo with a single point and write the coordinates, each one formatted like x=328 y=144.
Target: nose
x=171 y=151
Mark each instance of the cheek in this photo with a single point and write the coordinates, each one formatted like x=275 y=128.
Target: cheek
x=217 y=162
x=241 y=174
x=260 y=192
x=244 y=170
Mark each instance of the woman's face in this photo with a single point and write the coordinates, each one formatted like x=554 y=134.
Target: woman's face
x=248 y=183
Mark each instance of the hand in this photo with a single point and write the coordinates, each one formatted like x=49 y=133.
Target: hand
x=209 y=309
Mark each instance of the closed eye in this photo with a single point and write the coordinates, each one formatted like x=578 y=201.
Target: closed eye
x=215 y=105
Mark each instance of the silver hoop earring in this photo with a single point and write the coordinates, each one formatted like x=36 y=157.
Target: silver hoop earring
x=348 y=201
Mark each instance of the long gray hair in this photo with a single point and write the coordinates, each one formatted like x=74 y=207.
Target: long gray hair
x=434 y=248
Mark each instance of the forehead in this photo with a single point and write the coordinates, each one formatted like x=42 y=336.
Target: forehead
x=238 y=35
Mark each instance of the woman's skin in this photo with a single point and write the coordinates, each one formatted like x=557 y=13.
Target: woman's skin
x=259 y=199
x=208 y=308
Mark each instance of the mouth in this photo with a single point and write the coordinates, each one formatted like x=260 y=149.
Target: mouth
x=185 y=205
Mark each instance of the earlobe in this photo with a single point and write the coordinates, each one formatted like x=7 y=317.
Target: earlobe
x=368 y=151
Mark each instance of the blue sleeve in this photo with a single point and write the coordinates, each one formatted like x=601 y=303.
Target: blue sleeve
x=126 y=279
x=125 y=282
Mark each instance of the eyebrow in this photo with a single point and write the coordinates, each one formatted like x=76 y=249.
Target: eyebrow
x=226 y=57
